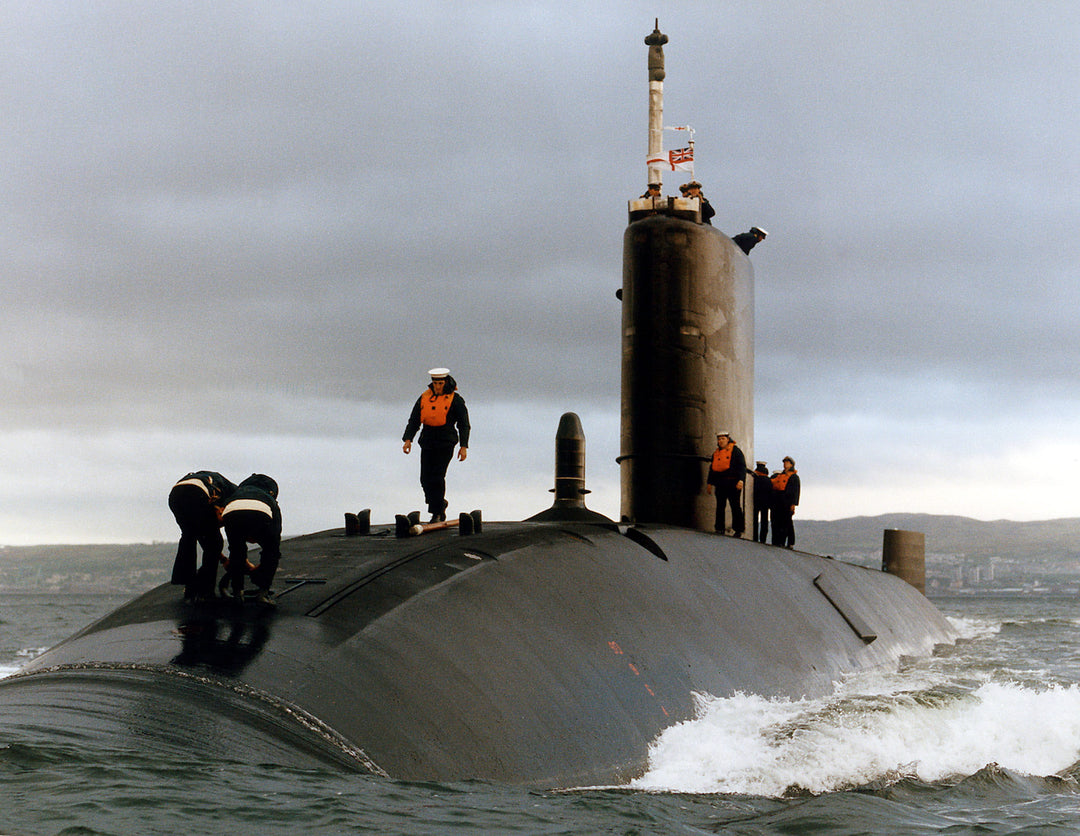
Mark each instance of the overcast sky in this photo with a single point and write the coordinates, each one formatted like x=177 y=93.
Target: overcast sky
x=235 y=236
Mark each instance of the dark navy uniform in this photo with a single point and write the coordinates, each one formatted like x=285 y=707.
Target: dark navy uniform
x=746 y=241
x=707 y=212
x=762 y=501
x=252 y=515
x=196 y=502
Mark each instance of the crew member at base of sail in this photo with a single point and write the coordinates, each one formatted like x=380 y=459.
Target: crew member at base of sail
x=785 y=496
x=727 y=471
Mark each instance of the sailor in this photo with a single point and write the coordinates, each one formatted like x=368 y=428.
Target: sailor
x=196 y=502
x=785 y=497
x=748 y=240
x=693 y=189
x=252 y=515
x=651 y=190
x=762 y=500
x=726 y=473
x=441 y=411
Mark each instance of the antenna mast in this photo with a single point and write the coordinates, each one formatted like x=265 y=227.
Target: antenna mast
x=655 y=41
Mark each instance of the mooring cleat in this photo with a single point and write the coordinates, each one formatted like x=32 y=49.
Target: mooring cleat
x=363 y=521
x=352 y=525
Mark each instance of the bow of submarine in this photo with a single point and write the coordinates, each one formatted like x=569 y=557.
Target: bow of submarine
x=543 y=653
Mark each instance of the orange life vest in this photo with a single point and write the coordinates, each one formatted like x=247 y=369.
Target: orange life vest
x=780 y=480
x=434 y=408
x=721 y=459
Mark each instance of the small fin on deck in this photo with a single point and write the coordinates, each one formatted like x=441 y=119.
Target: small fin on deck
x=835 y=594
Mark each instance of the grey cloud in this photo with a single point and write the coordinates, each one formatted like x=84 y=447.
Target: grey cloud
x=232 y=222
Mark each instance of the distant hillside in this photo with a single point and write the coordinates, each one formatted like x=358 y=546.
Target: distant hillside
x=126 y=568
x=1037 y=549
x=1045 y=540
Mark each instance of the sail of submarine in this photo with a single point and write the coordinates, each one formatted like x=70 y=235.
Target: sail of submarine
x=549 y=652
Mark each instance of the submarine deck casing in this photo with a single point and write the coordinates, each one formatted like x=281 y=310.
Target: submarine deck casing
x=540 y=653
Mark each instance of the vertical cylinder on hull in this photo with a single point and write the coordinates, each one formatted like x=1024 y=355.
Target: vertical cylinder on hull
x=903 y=553
x=570 y=462
x=569 y=487
x=687 y=364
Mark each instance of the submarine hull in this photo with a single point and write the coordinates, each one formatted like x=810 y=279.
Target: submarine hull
x=550 y=652
x=539 y=653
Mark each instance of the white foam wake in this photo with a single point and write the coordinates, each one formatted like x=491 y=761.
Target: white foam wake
x=26 y=654
x=748 y=744
x=974 y=628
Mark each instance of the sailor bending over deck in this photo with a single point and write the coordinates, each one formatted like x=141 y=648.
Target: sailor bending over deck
x=252 y=515
x=196 y=502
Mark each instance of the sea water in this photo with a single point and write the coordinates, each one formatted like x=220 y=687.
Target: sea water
x=983 y=737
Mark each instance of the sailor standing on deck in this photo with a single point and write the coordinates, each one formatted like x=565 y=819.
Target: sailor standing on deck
x=726 y=473
x=762 y=501
x=785 y=497
x=196 y=502
x=445 y=420
x=252 y=515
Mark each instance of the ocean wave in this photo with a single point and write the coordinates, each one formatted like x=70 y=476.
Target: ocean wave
x=751 y=745
x=22 y=656
x=970 y=629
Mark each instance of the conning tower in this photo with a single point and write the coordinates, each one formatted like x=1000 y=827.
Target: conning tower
x=687 y=346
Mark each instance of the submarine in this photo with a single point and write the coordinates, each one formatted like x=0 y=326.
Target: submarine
x=547 y=652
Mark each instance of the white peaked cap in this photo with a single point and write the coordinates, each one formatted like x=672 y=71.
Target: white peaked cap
x=439 y=372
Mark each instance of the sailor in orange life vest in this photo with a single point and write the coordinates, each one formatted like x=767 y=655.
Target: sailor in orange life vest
x=785 y=496
x=726 y=473
x=442 y=413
